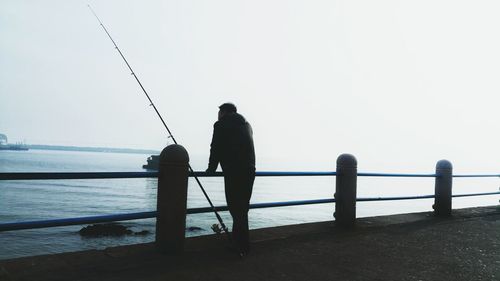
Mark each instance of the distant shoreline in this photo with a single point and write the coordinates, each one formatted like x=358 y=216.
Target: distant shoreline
x=92 y=149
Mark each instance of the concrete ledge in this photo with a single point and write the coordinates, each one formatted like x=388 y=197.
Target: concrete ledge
x=415 y=246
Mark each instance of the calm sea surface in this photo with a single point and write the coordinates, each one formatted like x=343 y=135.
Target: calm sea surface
x=51 y=199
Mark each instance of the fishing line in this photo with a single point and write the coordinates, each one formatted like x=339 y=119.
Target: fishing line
x=161 y=118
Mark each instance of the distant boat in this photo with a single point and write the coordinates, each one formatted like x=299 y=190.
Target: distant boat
x=4 y=145
x=153 y=163
x=17 y=146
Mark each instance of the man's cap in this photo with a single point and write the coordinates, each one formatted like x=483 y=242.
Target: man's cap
x=227 y=107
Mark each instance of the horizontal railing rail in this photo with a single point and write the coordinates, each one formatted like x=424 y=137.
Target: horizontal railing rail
x=153 y=214
x=76 y=175
x=478 y=176
x=392 y=175
x=129 y=175
x=75 y=221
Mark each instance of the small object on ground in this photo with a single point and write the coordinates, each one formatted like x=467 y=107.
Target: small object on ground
x=216 y=228
x=106 y=229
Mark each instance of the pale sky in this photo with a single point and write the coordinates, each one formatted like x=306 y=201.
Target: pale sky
x=399 y=84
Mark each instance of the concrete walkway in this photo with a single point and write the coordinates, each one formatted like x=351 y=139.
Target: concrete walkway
x=401 y=247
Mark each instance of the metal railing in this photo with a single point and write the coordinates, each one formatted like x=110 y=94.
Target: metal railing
x=153 y=214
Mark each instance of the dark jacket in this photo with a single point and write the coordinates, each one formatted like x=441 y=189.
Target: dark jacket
x=232 y=145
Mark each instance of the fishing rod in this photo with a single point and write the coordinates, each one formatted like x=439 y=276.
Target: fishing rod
x=163 y=121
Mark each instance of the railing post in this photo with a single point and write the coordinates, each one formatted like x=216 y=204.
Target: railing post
x=442 y=190
x=172 y=199
x=345 y=190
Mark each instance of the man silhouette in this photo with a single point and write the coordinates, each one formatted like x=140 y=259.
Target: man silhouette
x=232 y=146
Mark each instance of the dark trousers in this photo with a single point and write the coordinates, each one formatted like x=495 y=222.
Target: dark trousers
x=238 y=187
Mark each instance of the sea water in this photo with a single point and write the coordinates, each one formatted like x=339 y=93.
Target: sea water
x=30 y=200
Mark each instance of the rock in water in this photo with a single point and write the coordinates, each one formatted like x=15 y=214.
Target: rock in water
x=194 y=228
x=106 y=229
x=144 y=232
